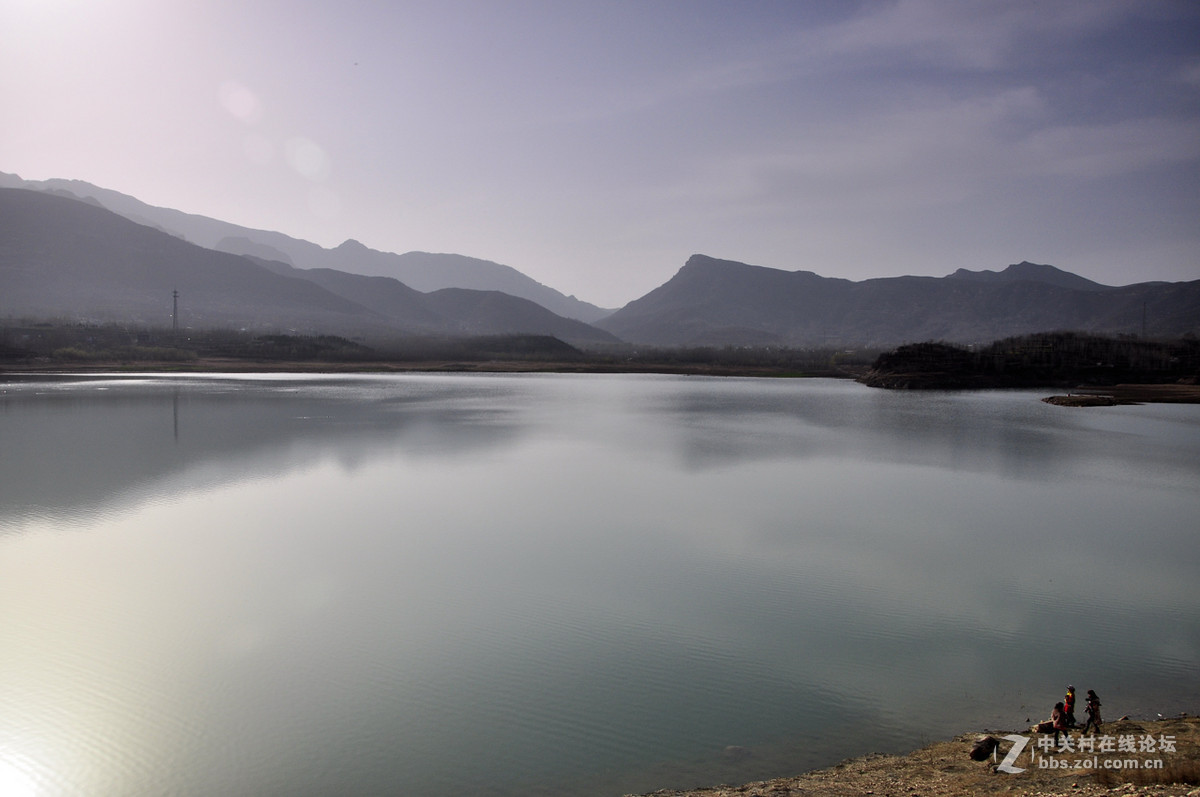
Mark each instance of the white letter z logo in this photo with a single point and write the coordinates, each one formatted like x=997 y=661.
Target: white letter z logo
x=1019 y=743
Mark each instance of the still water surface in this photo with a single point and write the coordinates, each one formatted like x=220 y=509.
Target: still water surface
x=567 y=585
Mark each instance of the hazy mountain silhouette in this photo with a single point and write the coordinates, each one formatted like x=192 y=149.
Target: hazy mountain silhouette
x=453 y=311
x=498 y=313
x=66 y=259
x=721 y=302
x=420 y=270
x=86 y=266
x=426 y=272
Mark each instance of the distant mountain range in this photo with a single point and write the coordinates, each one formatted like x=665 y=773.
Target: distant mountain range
x=722 y=302
x=70 y=250
x=420 y=270
x=63 y=258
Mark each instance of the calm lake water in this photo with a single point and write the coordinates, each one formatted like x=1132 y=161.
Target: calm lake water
x=566 y=585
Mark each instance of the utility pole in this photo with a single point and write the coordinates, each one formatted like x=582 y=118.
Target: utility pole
x=175 y=311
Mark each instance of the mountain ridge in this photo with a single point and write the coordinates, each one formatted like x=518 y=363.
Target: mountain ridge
x=421 y=270
x=1033 y=272
x=710 y=301
x=707 y=302
x=61 y=257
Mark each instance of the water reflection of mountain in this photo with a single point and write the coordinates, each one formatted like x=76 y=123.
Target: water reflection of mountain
x=75 y=447
x=727 y=425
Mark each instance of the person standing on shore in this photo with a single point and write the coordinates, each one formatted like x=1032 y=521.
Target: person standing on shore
x=1058 y=718
x=1069 y=706
x=1092 y=707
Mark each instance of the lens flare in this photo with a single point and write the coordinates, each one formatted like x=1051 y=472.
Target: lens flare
x=306 y=157
x=239 y=101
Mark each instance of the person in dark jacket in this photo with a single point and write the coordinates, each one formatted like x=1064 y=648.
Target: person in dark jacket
x=1092 y=707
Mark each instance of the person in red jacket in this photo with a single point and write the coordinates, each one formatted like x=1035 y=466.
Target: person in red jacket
x=1069 y=707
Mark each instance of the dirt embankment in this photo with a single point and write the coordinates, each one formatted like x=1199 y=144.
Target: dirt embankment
x=1167 y=765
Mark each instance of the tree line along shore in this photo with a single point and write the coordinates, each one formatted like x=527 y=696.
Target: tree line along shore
x=1096 y=369
x=1052 y=359
x=50 y=347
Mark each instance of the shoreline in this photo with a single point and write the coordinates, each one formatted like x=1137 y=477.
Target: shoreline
x=1081 y=396
x=1128 y=394
x=234 y=365
x=946 y=769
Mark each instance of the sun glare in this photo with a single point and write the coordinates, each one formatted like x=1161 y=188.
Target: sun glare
x=45 y=10
x=14 y=781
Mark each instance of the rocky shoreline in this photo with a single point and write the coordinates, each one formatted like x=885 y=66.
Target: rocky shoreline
x=945 y=769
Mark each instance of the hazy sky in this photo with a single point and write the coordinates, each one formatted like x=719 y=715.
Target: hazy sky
x=596 y=145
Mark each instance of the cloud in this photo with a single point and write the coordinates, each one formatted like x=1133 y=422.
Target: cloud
x=977 y=35
x=1191 y=74
x=940 y=154
x=1109 y=149
x=935 y=153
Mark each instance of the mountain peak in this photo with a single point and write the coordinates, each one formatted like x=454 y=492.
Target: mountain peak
x=351 y=245
x=1031 y=272
x=1035 y=271
x=712 y=302
x=705 y=261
